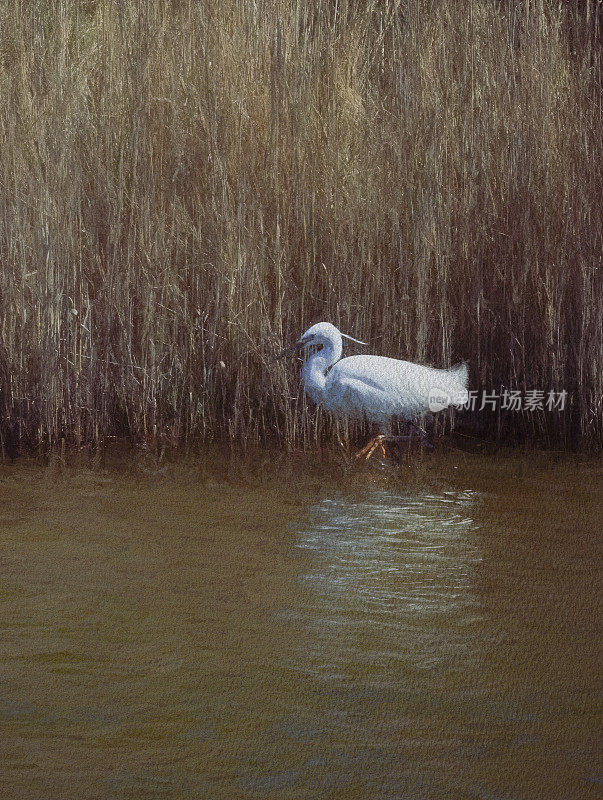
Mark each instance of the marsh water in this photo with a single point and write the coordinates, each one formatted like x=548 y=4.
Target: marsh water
x=272 y=627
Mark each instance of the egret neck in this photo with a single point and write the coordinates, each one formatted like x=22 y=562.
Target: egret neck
x=315 y=368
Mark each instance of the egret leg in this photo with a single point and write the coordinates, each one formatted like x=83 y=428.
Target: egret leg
x=414 y=432
x=374 y=444
x=422 y=435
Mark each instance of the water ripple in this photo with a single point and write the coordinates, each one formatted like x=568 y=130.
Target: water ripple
x=390 y=579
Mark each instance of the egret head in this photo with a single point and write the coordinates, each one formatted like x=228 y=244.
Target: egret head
x=323 y=335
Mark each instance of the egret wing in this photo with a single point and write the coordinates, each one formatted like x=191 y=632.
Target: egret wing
x=376 y=387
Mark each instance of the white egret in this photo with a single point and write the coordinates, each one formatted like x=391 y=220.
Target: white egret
x=374 y=388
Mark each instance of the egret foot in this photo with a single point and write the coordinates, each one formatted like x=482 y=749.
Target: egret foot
x=424 y=439
x=374 y=444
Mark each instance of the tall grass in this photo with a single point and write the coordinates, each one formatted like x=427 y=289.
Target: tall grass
x=187 y=185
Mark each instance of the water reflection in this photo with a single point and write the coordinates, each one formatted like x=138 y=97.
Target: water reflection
x=163 y=638
x=390 y=583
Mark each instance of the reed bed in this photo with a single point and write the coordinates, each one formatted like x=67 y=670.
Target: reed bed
x=186 y=186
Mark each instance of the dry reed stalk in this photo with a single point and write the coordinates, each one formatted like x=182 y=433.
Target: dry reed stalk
x=186 y=185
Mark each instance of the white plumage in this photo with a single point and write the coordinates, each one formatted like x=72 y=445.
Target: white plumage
x=375 y=388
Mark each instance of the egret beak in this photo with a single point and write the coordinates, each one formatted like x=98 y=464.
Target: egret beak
x=293 y=349
x=287 y=352
x=351 y=338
